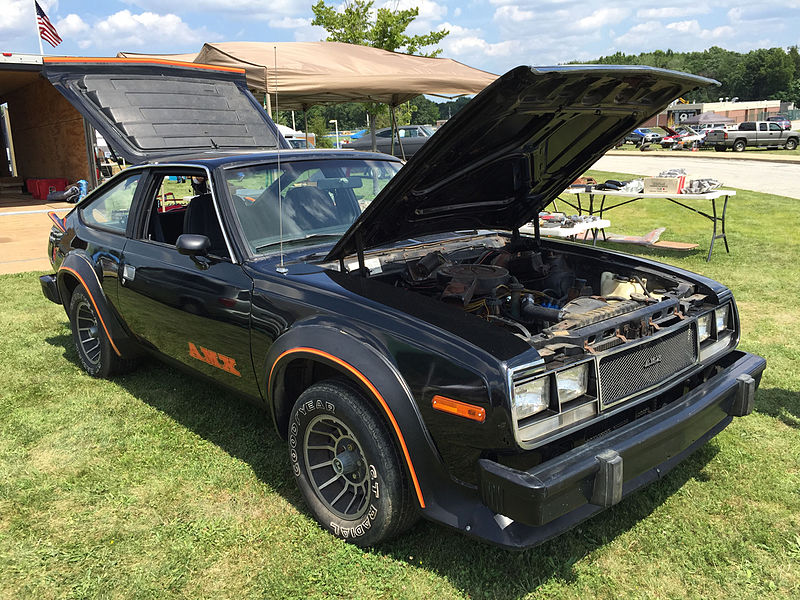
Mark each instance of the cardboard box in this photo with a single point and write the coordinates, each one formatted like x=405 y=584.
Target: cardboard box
x=664 y=185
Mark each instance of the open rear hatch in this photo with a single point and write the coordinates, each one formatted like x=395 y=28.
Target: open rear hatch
x=149 y=109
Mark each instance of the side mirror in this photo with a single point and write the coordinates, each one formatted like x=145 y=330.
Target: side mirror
x=192 y=244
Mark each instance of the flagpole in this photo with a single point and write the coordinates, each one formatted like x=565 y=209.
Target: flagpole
x=38 y=34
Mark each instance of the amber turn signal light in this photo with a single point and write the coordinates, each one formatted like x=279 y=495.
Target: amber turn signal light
x=462 y=409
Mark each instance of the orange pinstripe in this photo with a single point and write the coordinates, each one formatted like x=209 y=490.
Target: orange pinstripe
x=157 y=61
x=97 y=310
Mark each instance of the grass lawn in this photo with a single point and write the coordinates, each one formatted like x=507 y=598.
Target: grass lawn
x=754 y=151
x=155 y=485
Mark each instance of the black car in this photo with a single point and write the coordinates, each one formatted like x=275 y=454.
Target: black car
x=420 y=355
x=411 y=137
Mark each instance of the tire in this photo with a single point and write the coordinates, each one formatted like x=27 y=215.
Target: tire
x=95 y=353
x=335 y=436
x=791 y=144
x=720 y=148
x=739 y=145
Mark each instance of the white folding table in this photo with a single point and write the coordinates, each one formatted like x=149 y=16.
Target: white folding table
x=611 y=195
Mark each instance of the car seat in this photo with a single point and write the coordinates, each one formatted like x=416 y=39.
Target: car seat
x=201 y=219
x=311 y=208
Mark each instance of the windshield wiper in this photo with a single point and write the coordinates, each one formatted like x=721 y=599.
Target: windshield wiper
x=295 y=241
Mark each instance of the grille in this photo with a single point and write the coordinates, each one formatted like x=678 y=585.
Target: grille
x=630 y=371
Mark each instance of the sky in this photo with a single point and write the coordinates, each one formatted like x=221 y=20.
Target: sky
x=494 y=35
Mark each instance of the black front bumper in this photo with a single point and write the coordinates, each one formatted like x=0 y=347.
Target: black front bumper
x=532 y=506
x=50 y=288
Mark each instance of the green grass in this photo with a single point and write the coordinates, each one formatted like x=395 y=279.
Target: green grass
x=155 y=485
x=656 y=148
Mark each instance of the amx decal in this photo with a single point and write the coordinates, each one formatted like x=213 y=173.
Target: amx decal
x=215 y=359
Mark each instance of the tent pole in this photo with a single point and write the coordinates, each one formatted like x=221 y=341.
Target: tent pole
x=397 y=131
x=305 y=118
x=394 y=129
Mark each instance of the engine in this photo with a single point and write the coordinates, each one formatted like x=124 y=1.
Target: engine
x=537 y=295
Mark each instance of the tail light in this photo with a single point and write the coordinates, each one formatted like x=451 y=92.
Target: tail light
x=726 y=135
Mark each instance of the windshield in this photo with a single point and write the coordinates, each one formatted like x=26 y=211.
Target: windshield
x=309 y=200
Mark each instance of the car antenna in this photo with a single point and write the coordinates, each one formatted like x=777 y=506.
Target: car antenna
x=281 y=268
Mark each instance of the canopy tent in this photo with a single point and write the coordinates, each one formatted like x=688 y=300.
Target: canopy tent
x=708 y=117
x=309 y=73
x=297 y=75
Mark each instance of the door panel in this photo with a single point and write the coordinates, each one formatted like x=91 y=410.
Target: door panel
x=196 y=311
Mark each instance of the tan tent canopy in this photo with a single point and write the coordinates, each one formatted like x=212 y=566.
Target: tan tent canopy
x=311 y=73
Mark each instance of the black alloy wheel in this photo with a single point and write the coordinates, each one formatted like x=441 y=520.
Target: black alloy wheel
x=95 y=353
x=347 y=465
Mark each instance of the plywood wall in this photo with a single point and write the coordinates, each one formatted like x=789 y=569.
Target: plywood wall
x=48 y=133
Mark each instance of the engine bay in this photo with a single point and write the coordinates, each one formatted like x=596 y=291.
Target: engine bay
x=559 y=301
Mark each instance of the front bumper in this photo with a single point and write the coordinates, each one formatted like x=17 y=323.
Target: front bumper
x=50 y=288
x=532 y=506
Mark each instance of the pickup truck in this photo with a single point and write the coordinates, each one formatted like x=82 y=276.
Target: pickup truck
x=752 y=133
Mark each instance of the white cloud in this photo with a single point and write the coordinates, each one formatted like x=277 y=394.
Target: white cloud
x=601 y=18
x=513 y=14
x=457 y=11
x=467 y=44
x=127 y=31
x=247 y=9
x=72 y=25
x=16 y=13
x=289 y=23
x=673 y=12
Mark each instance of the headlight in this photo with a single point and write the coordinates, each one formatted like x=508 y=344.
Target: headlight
x=572 y=382
x=721 y=316
x=704 y=327
x=531 y=397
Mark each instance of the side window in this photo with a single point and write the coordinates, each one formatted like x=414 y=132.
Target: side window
x=775 y=127
x=384 y=134
x=110 y=210
x=762 y=126
x=747 y=126
x=182 y=203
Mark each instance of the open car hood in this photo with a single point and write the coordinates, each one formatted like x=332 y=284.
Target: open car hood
x=513 y=149
x=148 y=109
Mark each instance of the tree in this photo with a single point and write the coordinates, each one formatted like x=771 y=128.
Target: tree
x=384 y=28
x=357 y=23
x=426 y=113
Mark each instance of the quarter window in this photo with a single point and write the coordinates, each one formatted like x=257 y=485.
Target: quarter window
x=111 y=209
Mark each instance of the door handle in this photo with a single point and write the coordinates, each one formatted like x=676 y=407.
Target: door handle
x=128 y=273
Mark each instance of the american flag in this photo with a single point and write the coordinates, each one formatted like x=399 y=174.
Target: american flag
x=46 y=30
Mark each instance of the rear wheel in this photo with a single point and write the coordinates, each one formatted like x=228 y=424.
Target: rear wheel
x=346 y=465
x=791 y=144
x=95 y=353
x=739 y=146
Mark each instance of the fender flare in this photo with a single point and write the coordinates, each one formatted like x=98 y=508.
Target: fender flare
x=369 y=368
x=77 y=265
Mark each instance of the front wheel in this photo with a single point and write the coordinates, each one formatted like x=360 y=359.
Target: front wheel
x=347 y=466
x=791 y=144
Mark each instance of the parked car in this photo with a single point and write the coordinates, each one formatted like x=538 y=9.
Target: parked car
x=422 y=357
x=642 y=134
x=753 y=134
x=781 y=120
x=683 y=136
x=412 y=137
